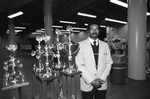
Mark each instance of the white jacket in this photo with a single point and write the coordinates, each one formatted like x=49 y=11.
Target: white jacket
x=85 y=62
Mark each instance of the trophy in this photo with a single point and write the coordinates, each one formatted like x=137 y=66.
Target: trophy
x=70 y=72
x=44 y=55
x=57 y=48
x=13 y=68
x=71 y=48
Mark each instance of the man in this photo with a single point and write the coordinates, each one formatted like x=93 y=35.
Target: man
x=94 y=61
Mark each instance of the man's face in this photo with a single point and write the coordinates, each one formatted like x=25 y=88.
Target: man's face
x=94 y=31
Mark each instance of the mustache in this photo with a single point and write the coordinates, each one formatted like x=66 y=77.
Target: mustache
x=94 y=33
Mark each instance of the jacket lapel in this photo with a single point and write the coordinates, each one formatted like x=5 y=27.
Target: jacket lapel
x=99 y=53
x=89 y=49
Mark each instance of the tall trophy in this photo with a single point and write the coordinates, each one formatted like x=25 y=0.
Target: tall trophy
x=44 y=54
x=71 y=74
x=71 y=48
x=13 y=76
x=44 y=73
x=57 y=48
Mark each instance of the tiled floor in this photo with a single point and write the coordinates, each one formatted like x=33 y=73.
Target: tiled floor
x=130 y=90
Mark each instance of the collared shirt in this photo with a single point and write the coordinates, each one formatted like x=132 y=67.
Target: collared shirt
x=92 y=41
x=95 y=50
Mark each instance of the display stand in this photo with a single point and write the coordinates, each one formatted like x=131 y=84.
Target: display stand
x=15 y=90
x=46 y=88
x=62 y=78
x=71 y=85
x=14 y=78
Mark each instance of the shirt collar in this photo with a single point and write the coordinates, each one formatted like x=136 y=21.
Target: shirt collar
x=91 y=41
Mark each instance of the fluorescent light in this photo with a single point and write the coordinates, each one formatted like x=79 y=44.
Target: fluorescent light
x=148 y=14
x=77 y=28
x=40 y=31
x=36 y=33
x=119 y=3
x=123 y=4
x=85 y=24
x=102 y=26
x=56 y=26
x=16 y=30
x=113 y=20
x=69 y=22
x=66 y=31
x=15 y=14
x=20 y=27
x=86 y=15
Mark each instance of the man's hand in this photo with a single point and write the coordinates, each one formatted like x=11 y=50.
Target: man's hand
x=96 y=83
x=101 y=81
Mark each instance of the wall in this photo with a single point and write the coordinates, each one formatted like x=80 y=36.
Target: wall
x=118 y=31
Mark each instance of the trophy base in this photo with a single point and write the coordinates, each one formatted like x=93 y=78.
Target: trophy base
x=13 y=86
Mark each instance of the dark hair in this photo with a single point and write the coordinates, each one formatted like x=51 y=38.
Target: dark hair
x=93 y=22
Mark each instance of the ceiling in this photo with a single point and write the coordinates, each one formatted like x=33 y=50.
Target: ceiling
x=33 y=17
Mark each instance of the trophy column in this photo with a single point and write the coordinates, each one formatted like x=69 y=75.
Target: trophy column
x=14 y=79
x=45 y=78
x=70 y=74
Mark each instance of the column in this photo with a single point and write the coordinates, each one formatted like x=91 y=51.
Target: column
x=48 y=19
x=137 y=39
x=11 y=29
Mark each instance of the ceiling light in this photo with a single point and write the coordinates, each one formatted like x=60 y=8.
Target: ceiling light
x=69 y=22
x=37 y=33
x=123 y=4
x=119 y=3
x=86 y=15
x=86 y=24
x=148 y=14
x=77 y=28
x=66 y=31
x=40 y=31
x=16 y=30
x=113 y=20
x=56 y=26
x=20 y=27
x=102 y=26
x=15 y=14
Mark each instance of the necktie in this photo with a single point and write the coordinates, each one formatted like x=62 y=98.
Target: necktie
x=94 y=43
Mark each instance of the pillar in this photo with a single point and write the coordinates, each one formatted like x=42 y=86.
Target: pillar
x=137 y=39
x=48 y=19
x=11 y=27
